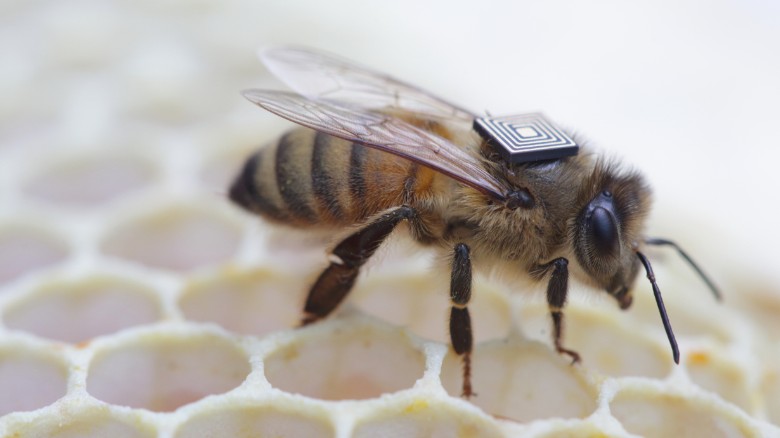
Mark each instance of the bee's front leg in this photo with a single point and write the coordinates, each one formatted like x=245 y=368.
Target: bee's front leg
x=460 y=321
x=557 y=290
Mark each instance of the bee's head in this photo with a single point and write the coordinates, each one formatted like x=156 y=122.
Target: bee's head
x=608 y=228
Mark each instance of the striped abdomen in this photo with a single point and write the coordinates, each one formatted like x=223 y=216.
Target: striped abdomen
x=308 y=178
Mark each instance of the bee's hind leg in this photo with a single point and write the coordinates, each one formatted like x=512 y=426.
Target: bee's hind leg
x=460 y=320
x=557 y=290
x=346 y=259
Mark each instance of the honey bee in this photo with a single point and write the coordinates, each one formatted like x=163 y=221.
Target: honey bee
x=375 y=152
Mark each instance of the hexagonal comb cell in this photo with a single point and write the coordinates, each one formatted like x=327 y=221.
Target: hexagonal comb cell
x=29 y=379
x=652 y=414
x=162 y=372
x=92 y=423
x=273 y=420
x=602 y=339
x=691 y=308
x=252 y=302
x=421 y=304
x=88 y=180
x=24 y=249
x=177 y=238
x=717 y=373
x=76 y=311
x=425 y=418
x=349 y=360
x=523 y=381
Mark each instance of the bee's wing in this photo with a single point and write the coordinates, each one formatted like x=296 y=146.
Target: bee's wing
x=383 y=132
x=318 y=75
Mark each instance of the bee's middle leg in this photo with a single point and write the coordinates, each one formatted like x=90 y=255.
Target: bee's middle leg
x=461 y=335
x=337 y=280
x=557 y=289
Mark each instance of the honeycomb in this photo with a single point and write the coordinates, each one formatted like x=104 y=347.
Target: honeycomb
x=135 y=301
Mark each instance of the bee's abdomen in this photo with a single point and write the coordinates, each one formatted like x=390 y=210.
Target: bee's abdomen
x=308 y=178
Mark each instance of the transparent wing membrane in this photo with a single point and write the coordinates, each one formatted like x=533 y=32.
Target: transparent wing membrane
x=380 y=131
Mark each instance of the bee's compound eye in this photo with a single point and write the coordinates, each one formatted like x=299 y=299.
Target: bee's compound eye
x=604 y=231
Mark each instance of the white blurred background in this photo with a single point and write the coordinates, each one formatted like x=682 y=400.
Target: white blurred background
x=686 y=91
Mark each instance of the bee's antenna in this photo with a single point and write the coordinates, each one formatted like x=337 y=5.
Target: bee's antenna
x=684 y=255
x=661 y=308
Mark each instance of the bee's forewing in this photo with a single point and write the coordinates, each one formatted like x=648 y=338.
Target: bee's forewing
x=318 y=75
x=380 y=131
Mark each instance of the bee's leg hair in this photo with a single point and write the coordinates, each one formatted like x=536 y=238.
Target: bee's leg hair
x=337 y=280
x=557 y=289
x=460 y=321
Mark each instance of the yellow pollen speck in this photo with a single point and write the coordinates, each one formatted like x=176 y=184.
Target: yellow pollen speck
x=699 y=358
x=416 y=406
